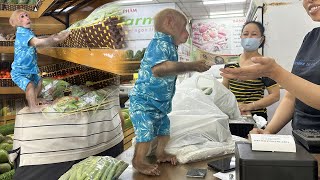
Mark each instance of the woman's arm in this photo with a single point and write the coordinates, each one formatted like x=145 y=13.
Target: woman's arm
x=272 y=97
x=305 y=91
x=281 y=117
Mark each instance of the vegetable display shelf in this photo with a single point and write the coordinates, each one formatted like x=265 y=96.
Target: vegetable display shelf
x=11 y=90
x=7 y=49
x=33 y=14
x=7 y=119
x=109 y=60
x=128 y=135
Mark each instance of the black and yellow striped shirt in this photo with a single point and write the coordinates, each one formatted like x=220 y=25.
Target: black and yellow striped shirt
x=250 y=90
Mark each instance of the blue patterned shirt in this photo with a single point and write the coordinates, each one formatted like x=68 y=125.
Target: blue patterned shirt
x=25 y=56
x=161 y=89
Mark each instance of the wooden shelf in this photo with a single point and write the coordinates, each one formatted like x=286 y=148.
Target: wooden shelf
x=7 y=14
x=6 y=118
x=33 y=14
x=7 y=49
x=109 y=60
x=131 y=62
x=10 y=90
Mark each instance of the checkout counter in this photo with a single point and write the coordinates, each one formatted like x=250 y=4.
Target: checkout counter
x=170 y=172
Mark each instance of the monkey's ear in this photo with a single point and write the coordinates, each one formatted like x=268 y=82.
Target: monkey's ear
x=14 y=21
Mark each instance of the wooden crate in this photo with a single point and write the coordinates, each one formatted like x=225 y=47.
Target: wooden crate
x=14 y=103
x=128 y=135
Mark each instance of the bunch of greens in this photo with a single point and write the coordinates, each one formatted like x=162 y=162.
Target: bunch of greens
x=53 y=88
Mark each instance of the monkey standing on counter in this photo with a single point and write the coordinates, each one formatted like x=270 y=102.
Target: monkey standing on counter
x=151 y=97
x=25 y=69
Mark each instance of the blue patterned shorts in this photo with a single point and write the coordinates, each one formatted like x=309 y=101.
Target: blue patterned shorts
x=22 y=80
x=148 y=122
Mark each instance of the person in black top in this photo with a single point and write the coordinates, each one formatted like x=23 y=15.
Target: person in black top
x=250 y=93
x=302 y=101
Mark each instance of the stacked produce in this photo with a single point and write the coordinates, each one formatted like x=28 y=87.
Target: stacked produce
x=127 y=121
x=96 y=167
x=67 y=99
x=32 y=2
x=5 y=77
x=11 y=5
x=6 y=140
x=10 y=104
x=135 y=57
x=102 y=28
x=53 y=89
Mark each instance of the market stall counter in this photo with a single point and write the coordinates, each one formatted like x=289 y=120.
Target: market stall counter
x=170 y=172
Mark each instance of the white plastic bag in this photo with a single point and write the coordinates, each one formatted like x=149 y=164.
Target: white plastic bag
x=220 y=95
x=200 y=121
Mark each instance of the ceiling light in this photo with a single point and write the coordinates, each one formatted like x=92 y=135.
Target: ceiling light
x=133 y=1
x=223 y=1
x=226 y=12
x=226 y=15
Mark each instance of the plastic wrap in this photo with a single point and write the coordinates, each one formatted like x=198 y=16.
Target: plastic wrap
x=53 y=88
x=99 y=14
x=92 y=100
x=96 y=167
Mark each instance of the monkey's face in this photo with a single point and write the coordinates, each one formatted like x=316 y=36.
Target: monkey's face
x=181 y=34
x=24 y=20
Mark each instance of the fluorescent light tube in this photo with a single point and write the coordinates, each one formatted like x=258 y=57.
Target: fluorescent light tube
x=226 y=15
x=133 y=1
x=222 y=1
x=226 y=12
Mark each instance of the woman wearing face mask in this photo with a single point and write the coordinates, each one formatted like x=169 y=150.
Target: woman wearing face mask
x=250 y=93
x=301 y=103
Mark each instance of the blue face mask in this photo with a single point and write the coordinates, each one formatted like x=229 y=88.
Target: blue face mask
x=250 y=44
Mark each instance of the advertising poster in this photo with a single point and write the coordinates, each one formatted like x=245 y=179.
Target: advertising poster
x=139 y=20
x=218 y=36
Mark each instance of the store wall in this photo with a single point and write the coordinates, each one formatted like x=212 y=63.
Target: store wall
x=286 y=24
x=139 y=20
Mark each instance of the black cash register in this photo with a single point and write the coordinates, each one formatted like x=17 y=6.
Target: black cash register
x=309 y=138
x=253 y=165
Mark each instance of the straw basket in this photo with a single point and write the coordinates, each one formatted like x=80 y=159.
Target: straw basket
x=6 y=43
x=64 y=73
x=27 y=7
x=6 y=82
x=13 y=7
x=99 y=79
x=106 y=34
x=56 y=67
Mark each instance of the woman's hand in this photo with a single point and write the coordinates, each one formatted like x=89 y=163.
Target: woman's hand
x=246 y=107
x=259 y=131
x=262 y=67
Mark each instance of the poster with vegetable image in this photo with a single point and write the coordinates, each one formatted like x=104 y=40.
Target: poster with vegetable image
x=219 y=36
